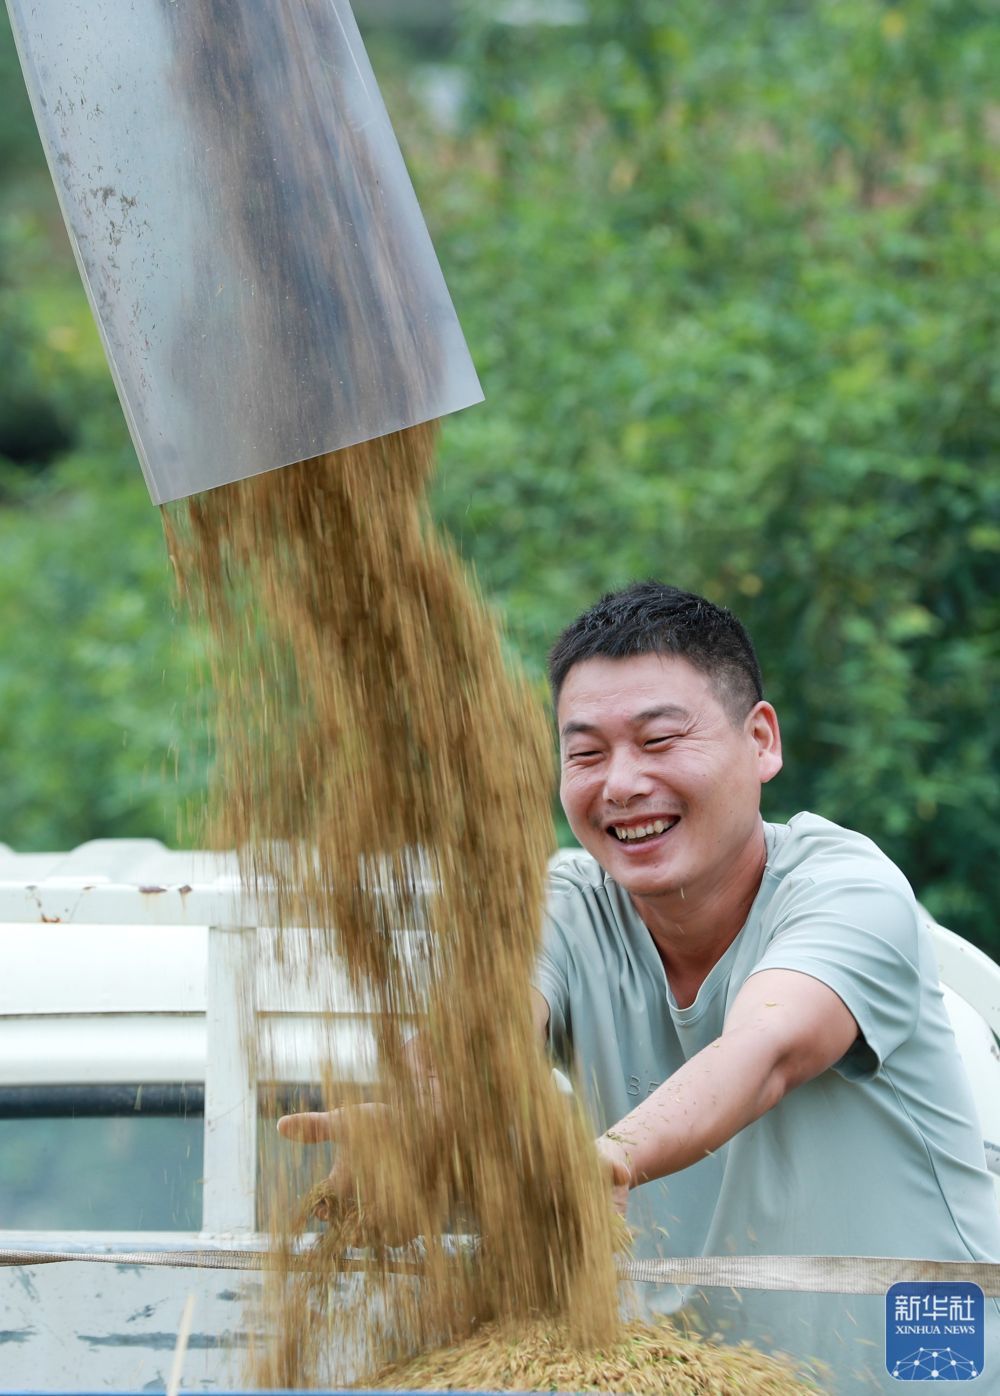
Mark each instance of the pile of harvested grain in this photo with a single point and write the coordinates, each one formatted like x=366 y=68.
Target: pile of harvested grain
x=645 y=1360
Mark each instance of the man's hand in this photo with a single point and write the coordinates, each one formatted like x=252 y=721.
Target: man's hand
x=615 y=1162
x=363 y=1133
x=339 y=1127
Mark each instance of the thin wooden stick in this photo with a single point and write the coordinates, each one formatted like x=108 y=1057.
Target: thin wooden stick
x=180 y=1351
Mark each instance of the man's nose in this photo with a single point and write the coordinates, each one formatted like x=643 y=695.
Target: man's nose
x=624 y=778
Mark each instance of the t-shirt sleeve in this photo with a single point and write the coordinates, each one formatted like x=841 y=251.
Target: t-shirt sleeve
x=861 y=940
x=551 y=979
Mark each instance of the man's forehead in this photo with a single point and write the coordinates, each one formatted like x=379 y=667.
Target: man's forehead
x=668 y=711
x=638 y=689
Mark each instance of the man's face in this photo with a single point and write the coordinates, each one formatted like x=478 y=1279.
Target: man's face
x=658 y=781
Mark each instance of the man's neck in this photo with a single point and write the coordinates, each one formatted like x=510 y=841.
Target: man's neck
x=693 y=927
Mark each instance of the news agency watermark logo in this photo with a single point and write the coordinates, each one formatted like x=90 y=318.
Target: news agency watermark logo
x=934 y=1331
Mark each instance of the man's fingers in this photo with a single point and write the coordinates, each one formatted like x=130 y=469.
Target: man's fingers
x=311 y=1126
x=315 y=1126
x=617 y=1169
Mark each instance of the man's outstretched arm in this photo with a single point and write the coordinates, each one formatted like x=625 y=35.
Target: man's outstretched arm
x=540 y=1016
x=783 y=1029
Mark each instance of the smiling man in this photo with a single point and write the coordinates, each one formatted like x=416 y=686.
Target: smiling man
x=751 y=1010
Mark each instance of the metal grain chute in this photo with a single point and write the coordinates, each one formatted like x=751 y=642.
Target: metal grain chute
x=250 y=242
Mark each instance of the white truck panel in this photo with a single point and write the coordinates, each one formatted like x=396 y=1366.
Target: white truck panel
x=111 y=969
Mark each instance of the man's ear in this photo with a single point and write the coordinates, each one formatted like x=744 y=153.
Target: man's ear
x=763 y=728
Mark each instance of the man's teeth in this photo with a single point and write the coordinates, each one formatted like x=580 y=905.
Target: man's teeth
x=640 y=831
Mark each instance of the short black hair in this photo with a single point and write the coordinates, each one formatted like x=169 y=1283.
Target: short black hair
x=653 y=618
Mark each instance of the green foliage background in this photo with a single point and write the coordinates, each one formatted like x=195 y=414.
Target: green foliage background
x=725 y=271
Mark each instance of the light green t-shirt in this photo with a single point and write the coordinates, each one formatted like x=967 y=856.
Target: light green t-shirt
x=882 y=1155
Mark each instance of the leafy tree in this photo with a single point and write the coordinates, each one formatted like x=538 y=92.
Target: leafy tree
x=742 y=343
x=723 y=271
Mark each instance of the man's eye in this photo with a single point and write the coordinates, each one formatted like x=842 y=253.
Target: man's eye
x=657 y=741
x=582 y=755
